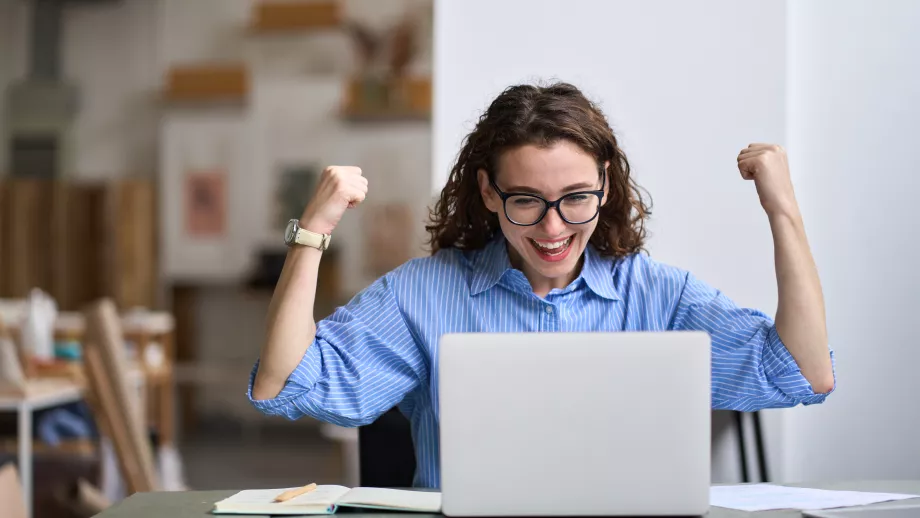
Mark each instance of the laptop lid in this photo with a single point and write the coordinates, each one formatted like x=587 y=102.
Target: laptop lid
x=575 y=423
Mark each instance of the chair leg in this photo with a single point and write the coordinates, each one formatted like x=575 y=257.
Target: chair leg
x=761 y=452
x=742 y=455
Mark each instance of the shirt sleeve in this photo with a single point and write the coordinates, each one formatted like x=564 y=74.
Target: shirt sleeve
x=363 y=361
x=751 y=367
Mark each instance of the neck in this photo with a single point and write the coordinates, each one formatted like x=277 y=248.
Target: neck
x=540 y=284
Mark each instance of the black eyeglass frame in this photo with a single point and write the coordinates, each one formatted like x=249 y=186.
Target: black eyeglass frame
x=552 y=204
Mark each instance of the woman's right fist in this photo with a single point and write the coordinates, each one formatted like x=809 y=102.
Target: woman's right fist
x=339 y=188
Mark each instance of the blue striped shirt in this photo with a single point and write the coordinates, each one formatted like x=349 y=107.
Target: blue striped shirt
x=381 y=349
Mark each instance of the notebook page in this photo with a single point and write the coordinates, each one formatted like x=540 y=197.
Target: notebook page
x=428 y=501
x=261 y=501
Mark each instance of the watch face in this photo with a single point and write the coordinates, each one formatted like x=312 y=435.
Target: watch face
x=289 y=231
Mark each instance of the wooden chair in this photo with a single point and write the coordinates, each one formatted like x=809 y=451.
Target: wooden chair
x=114 y=403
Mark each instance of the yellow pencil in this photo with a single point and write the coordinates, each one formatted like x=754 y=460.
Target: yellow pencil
x=292 y=493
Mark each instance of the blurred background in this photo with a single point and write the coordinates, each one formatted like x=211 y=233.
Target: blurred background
x=151 y=152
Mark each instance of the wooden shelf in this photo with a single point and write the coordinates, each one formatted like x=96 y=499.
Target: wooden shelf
x=403 y=99
x=270 y=17
x=208 y=83
x=384 y=115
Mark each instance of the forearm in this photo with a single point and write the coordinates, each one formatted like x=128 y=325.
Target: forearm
x=291 y=327
x=800 y=316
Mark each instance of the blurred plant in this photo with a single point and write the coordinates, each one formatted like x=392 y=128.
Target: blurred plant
x=387 y=53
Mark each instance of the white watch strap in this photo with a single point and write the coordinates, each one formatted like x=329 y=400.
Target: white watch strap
x=312 y=239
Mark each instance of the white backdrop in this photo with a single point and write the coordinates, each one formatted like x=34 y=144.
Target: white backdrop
x=684 y=86
x=854 y=103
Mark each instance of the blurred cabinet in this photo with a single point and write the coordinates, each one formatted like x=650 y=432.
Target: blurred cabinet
x=79 y=241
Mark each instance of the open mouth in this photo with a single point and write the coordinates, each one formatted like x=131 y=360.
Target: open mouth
x=553 y=250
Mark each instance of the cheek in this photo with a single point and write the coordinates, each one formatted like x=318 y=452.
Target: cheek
x=585 y=233
x=510 y=230
x=516 y=235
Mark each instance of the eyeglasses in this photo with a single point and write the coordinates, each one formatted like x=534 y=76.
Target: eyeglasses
x=575 y=208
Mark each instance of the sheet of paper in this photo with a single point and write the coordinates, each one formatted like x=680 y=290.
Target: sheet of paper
x=764 y=497
x=393 y=498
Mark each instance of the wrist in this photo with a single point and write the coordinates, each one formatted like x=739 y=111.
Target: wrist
x=783 y=223
x=785 y=215
x=307 y=222
x=783 y=208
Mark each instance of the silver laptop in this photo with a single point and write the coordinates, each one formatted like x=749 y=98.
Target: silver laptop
x=577 y=424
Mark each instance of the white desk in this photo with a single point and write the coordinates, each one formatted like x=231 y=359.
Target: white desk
x=46 y=393
x=39 y=394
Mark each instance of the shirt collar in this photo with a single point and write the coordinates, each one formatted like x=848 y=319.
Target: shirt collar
x=597 y=271
x=491 y=264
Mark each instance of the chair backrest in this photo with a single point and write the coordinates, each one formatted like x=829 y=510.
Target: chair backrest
x=113 y=399
x=386 y=453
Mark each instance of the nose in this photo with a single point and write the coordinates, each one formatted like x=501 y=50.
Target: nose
x=552 y=224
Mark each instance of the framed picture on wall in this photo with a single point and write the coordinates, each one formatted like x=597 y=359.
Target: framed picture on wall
x=206 y=203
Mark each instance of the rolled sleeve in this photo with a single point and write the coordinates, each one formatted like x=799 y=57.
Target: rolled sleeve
x=751 y=367
x=362 y=362
x=782 y=369
x=302 y=380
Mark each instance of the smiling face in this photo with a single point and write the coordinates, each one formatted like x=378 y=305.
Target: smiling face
x=549 y=253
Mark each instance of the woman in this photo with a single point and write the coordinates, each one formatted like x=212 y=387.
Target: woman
x=538 y=229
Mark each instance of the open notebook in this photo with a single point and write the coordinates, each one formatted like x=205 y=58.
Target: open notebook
x=326 y=499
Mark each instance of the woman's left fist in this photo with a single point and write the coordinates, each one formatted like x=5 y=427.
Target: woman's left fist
x=767 y=165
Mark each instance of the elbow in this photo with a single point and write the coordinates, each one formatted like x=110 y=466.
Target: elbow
x=265 y=388
x=825 y=380
x=823 y=384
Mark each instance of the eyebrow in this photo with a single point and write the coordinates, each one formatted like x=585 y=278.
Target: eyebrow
x=583 y=186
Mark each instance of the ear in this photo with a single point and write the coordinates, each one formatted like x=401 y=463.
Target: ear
x=606 y=183
x=489 y=196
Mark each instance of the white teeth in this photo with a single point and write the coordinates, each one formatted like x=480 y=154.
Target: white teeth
x=552 y=247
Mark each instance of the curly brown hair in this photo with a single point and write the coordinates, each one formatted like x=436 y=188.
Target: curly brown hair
x=541 y=116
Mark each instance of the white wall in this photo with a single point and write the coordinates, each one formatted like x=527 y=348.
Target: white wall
x=854 y=103
x=109 y=52
x=685 y=85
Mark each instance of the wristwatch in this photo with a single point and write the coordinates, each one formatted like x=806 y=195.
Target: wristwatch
x=294 y=235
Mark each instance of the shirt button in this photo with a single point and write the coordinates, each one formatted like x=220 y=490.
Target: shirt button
x=549 y=309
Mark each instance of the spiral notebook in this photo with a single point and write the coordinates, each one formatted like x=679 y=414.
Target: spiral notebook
x=326 y=499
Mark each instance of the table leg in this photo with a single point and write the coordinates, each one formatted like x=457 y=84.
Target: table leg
x=761 y=451
x=25 y=454
x=165 y=420
x=742 y=452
